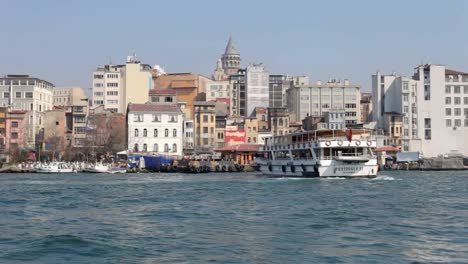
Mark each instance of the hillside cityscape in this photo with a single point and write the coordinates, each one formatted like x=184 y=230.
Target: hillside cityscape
x=135 y=107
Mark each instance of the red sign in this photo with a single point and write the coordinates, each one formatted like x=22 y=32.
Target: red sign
x=234 y=137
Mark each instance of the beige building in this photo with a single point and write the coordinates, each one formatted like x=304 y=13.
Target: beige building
x=321 y=97
x=251 y=130
x=205 y=124
x=189 y=88
x=278 y=120
x=115 y=86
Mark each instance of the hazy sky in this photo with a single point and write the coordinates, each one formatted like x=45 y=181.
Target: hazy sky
x=64 y=41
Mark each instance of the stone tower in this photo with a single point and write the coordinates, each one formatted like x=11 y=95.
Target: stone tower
x=230 y=59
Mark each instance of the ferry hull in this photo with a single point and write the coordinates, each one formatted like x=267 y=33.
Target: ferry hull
x=330 y=170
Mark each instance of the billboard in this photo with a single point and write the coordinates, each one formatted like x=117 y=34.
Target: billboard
x=234 y=137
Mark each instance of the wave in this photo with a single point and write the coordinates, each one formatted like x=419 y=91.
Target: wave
x=383 y=178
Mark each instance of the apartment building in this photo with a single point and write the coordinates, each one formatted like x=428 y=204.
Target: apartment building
x=30 y=94
x=115 y=86
x=321 y=97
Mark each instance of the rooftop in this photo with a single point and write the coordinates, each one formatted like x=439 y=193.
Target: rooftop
x=162 y=92
x=454 y=72
x=166 y=108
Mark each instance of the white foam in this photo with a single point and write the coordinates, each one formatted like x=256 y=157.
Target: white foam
x=383 y=178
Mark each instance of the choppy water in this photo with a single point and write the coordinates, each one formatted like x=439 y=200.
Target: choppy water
x=399 y=217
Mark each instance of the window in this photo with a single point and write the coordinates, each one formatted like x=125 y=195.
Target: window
x=138 y=118
x=112 y=101
x=457 y=111
x=406 y=120
x=14 y=135
x=98 y=76
x=427 y=134
x=448 y=122
x=173 y=119
x=465 y=100
x=448 y=111
x=457 y=100
x=205 y=118
x=145 y=132
x=136 y=132
x=174 y=132
x=80 y=130
x=155 y=147
x=427 y=92
x=427 y=123
x=14 y=124
x=458 y=122
x=166 y=132
x=280 y=122
x=98 y=85
x=465 y=90
x=112 y=84
x=112 y=93
x=448 y=100
x=465 y=112
x=405 y=98
x=156 y=118
x=405 y=109
x=155 y=133
x=135 y=148
x=457 y=90
x=406 y=132
x=145 y=147
x=18 y=95
x=263 y=117
x=447 y=89
x=29 y=95
x=174 y=147
x=166 y=147
x=6 y=94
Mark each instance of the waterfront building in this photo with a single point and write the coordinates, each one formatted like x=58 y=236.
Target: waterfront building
x=277 y=87
x=238 y=97
x=163 y=96
x=189 y=88
x=13 y=123
x=56 y=135
x=425 y=130
x=261 y=114
x=278 y=120
x=222 y=114
x=26 y=93
x=257 y=85
x=156 y=129
x=321 y=97
x=366 y=108
x=205 y=125
x=218 y=91
x=115 y=86
x=189 y=141
x=249 y=88
x=76 y=105
x=251 y=130
x=442 y=110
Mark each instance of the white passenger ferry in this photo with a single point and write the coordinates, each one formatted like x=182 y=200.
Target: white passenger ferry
x=322 y=153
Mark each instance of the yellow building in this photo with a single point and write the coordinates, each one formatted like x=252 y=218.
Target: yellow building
x=251 y=130
x=205 y=126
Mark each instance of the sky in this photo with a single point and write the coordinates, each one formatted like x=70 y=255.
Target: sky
x=64 y=41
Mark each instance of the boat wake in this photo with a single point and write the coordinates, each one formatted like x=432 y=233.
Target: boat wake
x=383 y=178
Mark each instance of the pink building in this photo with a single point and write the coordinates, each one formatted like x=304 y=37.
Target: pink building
x=15 y=127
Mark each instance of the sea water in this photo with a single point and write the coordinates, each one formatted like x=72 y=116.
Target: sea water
x=398 y=217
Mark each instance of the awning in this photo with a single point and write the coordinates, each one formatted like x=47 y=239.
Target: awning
x=123 y=152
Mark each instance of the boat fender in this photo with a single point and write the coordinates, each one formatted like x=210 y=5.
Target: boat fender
x=293 y=169
x=340 y=142
x=328 y=143
x=358 y=142
x=217 y=168
x=283 y=168
x=304 y=168
x=270 y=168
x=369 y=143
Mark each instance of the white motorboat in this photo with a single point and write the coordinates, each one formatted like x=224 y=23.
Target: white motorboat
x=54 y=167
x=322 y=153
x=97 y=168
